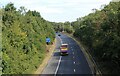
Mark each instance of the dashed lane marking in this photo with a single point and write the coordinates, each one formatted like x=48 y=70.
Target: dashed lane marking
x=74 y=70
x=74 y=62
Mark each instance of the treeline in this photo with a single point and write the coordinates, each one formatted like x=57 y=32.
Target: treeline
x=100 y=32
x=0 y=41
x=60 y=27
x=23 y=39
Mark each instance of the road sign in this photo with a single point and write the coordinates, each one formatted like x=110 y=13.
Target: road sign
x=47 y=39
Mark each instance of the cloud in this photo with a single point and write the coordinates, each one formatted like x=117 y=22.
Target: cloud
x=59 y=9
x=115 y=0
x=39 y=5
x=47 y=10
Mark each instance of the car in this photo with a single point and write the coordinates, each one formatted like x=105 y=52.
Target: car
x=59 y=35
x=64 y=49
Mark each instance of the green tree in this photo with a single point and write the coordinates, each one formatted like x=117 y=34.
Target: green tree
x=100 y=31
x=23 y=33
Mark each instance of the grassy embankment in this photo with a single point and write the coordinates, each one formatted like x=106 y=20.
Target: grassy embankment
x=23 y=40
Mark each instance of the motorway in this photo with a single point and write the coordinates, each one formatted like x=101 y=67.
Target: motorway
x=73 y=64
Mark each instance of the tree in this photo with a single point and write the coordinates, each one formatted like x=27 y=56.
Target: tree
x=22 y=10
x=10 y=7
x=100 y=31
x=23 y=38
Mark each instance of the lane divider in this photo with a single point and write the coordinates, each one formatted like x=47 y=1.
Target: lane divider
x=74 y=70
x=74 y=62
x=60 y=39
x=58 y=66
x=59 y=60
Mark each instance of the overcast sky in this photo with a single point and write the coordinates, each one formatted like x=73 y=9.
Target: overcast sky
x=59 y=10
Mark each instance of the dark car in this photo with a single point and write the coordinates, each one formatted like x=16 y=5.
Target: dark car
x=59 y=35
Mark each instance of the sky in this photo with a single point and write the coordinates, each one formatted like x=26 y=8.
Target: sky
x=59 y=10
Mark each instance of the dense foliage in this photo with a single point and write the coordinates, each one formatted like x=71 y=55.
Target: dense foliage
x=60 y=27
x=0 y=41
x=23 y=39
x=100 y=31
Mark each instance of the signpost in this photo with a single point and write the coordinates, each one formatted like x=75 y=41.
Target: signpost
x=47 y=40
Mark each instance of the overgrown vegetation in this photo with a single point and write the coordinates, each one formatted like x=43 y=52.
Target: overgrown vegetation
x=100 y=32
x=23 y=39
x=60 y=27
x=0 y=41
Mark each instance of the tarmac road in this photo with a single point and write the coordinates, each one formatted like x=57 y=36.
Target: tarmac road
x=73 y=64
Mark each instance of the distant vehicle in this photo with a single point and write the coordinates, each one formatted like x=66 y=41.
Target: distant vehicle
x=59 y=35
x=64 y=49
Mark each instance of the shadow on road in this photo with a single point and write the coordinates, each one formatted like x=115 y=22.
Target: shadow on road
x=56 y=54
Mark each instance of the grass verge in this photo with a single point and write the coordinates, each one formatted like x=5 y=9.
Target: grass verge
x=50 y=50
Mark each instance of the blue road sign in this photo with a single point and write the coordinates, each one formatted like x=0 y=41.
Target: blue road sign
x=47 y=39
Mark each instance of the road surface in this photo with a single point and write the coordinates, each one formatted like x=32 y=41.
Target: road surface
x=73 y=64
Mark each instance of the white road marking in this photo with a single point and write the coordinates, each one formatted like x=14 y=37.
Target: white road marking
x=60 y=39
x=59 y=60
x=74 y=70
x=74 y=62
x=58 y=66
x=73 y=53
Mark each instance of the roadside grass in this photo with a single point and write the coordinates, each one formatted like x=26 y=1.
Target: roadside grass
x=49 y=52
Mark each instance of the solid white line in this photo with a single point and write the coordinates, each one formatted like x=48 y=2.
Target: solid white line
x=60 y=39
x=74 y=70
x=58 y=66
x=59 y=59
